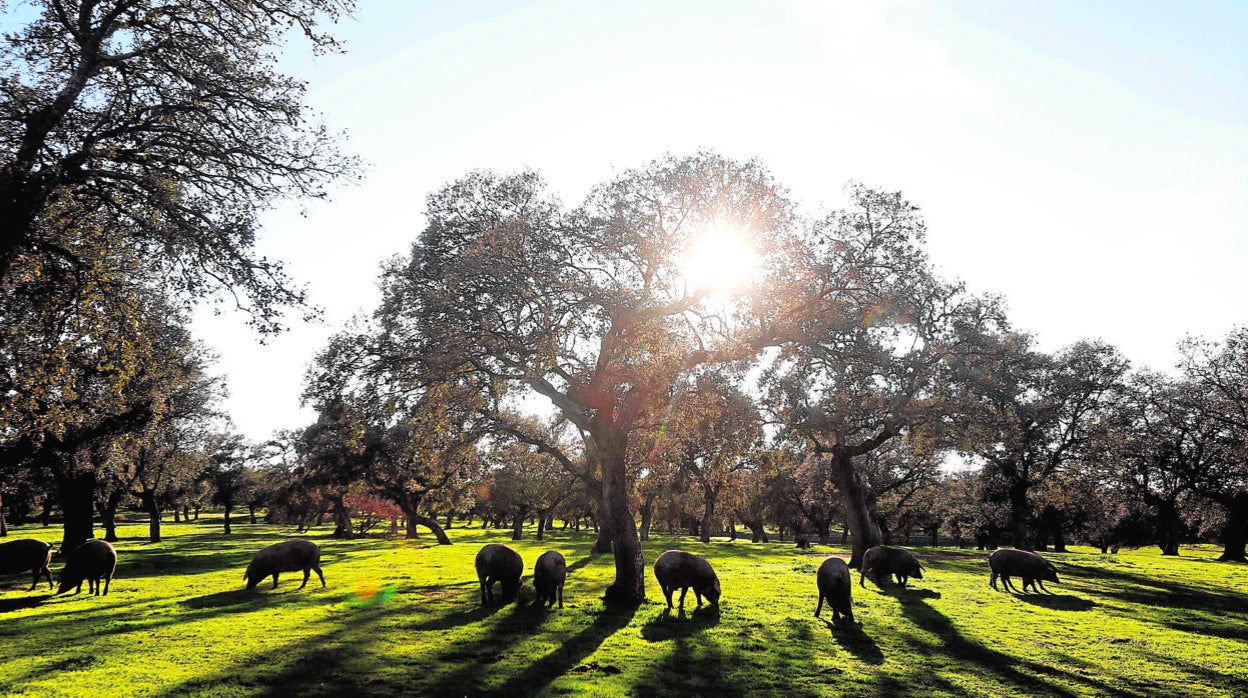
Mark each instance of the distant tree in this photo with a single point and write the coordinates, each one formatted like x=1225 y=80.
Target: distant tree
x=337 y=451
x=709 y=437
x=429 y=456
x=228 y=472
x=1218 y=374
x=898 y=478
x=526 y=482
x=1032 y=413
x=758 y=490
x=1157 y=442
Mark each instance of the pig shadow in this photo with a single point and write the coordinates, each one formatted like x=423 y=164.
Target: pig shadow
x=222 y=599
x=17 y=604
x=1057 y=602
x=856 y=641
x=666 y=627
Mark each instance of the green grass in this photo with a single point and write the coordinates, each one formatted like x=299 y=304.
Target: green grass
x=179 y=623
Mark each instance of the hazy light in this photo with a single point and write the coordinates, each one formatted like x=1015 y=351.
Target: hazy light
x=719 y=260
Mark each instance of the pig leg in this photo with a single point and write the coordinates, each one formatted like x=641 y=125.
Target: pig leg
x=317 y=570
x=307 y=572
x=683 y=591
x=275 y=580
x=820 y=607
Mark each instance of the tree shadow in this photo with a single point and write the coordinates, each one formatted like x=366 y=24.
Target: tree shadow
x=457 y=619
x=697 y=666
x=567 y=658
x=465 y=667
x=1159 y=593
x=959 y=647
x=1057 y=602
x=580 y=563
x=666 y=627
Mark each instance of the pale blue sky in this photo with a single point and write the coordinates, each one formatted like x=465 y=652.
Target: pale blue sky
x=1089 y=161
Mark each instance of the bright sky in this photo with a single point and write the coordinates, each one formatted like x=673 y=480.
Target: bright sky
x=1087 y=161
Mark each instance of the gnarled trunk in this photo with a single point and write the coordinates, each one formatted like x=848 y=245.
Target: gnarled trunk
x=857 y=517
x=629 y=587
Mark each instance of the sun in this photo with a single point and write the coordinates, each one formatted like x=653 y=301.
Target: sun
x=719 y=260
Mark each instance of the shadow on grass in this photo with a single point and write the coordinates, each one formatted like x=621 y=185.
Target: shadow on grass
x=698 y=665
x=568 y=657
x=665 y=626
x=21 y=602
x=580 y=563
x=457 y=619
x=1018 y=673
x=1057 y=602
x=221 y=599
x=465 y=665
x=1151 y=592
x=855 y=640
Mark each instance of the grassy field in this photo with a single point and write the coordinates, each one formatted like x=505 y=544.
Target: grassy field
x=402 y=618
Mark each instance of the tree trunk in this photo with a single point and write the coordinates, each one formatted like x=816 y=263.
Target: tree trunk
x=517 y=525
x=629 y=587
x=541 y=523
x=4 y=525
x=708 y=513
x=1169 y=542
x=1018 y=515
x=109 y=516
x=1235 y=534
x=177 y=518
x=150 y=505
x=757 y=533
x=450 y=516
x=342 y=520
x=647 y=516
x=228 y=509
x=429 y=523
x=857 y=517
x=251 y=513
x=78 y=505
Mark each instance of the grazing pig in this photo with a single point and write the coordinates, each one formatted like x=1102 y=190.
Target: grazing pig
x=26 y=555
x=548 y=576
x=837 y=587
x=288 y=556
x=498 y=563
x=1009 y=562
x=677 y=569
x=91 y=561
x=882 y=561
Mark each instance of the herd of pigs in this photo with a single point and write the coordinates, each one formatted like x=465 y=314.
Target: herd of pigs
x=96 y=561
